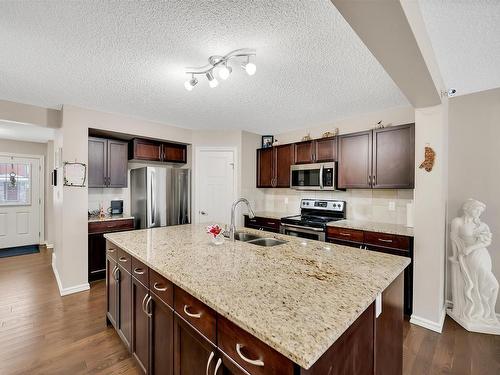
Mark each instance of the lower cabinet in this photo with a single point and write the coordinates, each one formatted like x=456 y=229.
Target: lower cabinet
x=161 y=337
x=140 y=325
x=124 y=303
x=111 y=291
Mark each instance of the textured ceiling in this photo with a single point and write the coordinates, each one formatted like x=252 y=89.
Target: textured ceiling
x=465 y=35
x=128 y=57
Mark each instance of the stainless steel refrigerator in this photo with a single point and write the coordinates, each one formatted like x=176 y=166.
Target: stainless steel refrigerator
x=160 y=196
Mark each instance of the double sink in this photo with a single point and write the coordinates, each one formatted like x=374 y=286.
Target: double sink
x=257 y=240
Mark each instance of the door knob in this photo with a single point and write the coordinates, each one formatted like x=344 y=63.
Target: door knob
x=203 y=213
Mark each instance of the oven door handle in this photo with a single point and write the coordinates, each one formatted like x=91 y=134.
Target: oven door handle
x=321 y=186
x=304 y=228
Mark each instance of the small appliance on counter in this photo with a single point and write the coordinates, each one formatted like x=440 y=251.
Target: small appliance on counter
x=314 y=215
x=116 y=207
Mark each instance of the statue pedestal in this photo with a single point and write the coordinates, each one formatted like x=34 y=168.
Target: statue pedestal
x=475 y=326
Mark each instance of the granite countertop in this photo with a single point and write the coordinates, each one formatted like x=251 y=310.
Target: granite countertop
x=298 y=297
x=93 y=219
x=372 y=226
x=272 y=214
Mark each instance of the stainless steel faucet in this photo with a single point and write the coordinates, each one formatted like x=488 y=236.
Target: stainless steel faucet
x=251 y=214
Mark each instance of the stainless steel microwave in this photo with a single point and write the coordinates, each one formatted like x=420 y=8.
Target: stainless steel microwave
x=318 y=176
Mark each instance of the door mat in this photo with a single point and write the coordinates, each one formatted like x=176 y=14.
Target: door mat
x=20 y=250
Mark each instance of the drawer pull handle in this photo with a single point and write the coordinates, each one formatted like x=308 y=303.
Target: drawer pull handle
x=197 y=315
x=122 y=259
x=255 y=362
x=345 y=234
x=208 y=362
x=139 y=271
x=219 y=362
x=111 y=250
x=384 y=240
x=158 y=288
x=271 y=223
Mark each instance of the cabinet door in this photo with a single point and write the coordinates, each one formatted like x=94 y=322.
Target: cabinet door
x=111 y=291
x=304 y=152
x=97 y=257
x=162 y=337
x=142 y=149
x=140 y=325
x=97 y=162
x=394 y=157
x=193 y=354
x=174 y=153
x=124 y=306
x=326 y=149
x=283 y=161
x=355 y=161
x=226 y=366
x=265 y=170
x=117 y=164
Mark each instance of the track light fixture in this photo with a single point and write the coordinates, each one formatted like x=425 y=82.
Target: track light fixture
x=220 y=63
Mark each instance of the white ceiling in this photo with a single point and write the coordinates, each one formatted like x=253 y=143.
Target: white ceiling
x=465 y=36
x=25 y=132
x=128 y=57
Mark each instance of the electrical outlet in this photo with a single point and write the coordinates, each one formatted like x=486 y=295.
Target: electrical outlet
x=392 y=206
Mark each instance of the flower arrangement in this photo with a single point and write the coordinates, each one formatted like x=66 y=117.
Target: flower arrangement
x=215 y=232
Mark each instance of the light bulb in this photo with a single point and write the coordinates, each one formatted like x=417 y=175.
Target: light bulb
x=250 y=68
x=225 y=71
x=190 y=84
x=212 y=82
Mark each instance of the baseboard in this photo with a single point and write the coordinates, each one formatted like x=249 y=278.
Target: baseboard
x=49 y=245
x=70 y=290
x=429 y=324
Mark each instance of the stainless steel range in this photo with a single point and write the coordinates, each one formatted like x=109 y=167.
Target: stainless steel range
x=314 y=215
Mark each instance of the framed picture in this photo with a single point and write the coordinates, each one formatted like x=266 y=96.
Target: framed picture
x=74 y=174
x=267 y=141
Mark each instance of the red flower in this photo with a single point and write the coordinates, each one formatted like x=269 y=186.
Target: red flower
x=214 y=230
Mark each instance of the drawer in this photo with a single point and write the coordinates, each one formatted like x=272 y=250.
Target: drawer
x=345 y=234
x=161 y=287
x=392 y=241
x=199 y=315
x=140 y=272
x=249 y=352
x=106 y=226
x=124 y=260
x=263 y=222
x=111 y=251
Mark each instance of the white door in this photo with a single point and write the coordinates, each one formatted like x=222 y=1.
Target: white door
x=19 y=201
x=215 y=185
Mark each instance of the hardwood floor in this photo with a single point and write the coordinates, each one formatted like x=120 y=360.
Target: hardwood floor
x=43 y=333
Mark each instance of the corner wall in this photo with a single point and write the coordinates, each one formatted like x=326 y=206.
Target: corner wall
x=473 y=167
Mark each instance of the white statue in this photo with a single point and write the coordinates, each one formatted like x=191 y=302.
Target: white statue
x=474 y=287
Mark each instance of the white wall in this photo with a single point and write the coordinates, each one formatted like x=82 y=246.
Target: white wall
x=431 y=126
x=473 y=165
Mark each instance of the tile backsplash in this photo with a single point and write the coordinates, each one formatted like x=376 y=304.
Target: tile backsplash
x=104 y=196
x=384 y=206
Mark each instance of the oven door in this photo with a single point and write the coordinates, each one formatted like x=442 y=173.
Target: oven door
x=302 y=232
x=313 y=176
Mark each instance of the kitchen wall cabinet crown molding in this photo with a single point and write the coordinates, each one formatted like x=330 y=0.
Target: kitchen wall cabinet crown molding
x=108 y=163
x=157 y=151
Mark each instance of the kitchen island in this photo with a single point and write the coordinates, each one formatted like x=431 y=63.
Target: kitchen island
x=304 y=306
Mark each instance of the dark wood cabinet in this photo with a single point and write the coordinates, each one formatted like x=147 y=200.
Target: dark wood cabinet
x=265 y=170
x=161 y=337
x=140 y=325
x=124 y=305
x=304 y=152
x=325 y=149
x=97 y=244
x=111 y=291
x=273 y=166
x=107 y=163
x=228 y=366
x=150 y=150
x=263 y=223
x=355 y=160
x=394 y=157
x=193 y=353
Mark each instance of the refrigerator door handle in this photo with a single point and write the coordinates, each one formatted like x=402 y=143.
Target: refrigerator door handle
x=152 y=201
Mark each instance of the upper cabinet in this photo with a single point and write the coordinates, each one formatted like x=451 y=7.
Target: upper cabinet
x=273 y=166
x=107 y=163
x=149 y=150
x=318 y=150
x=377 y=159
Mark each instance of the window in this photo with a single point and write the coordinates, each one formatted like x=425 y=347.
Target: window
x=15 y=184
